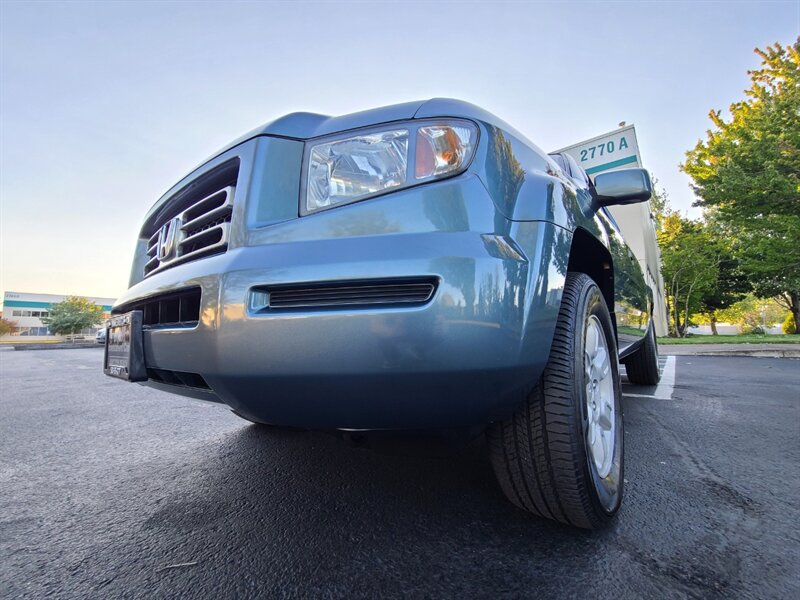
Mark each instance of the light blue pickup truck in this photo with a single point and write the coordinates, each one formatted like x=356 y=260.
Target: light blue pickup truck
x=418 y=266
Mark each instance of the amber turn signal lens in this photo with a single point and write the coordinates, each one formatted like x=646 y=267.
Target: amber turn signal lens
x=442 y=149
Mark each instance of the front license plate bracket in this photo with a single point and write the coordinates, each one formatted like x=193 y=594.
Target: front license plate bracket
x=124 y=356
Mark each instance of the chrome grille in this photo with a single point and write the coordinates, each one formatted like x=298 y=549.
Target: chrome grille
x=200 y=230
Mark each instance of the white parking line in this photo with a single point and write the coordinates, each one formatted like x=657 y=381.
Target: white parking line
x=665 y=387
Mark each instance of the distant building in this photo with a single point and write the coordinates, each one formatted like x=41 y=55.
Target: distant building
x=26 y=310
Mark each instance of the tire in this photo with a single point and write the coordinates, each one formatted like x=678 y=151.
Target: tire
x=642 y=365
x=542 y=455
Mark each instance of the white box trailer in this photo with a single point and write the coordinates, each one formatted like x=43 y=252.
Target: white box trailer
x=619 y=149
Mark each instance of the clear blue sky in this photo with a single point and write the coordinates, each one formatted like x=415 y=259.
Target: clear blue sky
x=105 y=105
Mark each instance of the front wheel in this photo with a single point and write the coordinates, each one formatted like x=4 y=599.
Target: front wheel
x=560 y=456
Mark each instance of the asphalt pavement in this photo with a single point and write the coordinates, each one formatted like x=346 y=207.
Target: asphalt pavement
x=112 y=490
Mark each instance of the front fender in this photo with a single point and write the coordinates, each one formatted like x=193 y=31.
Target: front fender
x=526 y=185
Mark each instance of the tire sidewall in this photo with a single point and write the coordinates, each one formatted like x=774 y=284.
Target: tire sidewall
x=608 y=491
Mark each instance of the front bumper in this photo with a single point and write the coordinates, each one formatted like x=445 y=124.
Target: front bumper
x=464 y=358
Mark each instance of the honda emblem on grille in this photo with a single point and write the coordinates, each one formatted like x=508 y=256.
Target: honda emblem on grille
x=166 y=239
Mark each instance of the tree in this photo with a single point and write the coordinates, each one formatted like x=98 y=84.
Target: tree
x=73 y=315
x=6 y=327
x=747 y=171
x=690 y=267
x=751 y=312
x=731 y=283
x=659 y=203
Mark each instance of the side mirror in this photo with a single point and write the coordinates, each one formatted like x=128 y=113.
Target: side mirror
x=627 y=186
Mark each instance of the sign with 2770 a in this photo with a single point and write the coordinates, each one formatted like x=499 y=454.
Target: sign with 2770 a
x=617 y=149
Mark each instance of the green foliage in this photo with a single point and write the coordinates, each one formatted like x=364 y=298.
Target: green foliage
x=6 y=326
x=73 y=315
x=731 y=284
x=732 y=339
x=690 y=261
x=752 y=312
x=749 y=166
x=659 y=203
x=789 y=326
x=747 y=174
x=700 y=273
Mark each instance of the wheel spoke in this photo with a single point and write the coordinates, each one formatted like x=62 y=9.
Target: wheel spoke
x=599 y=449
x=608 y=440
x=605 y=419
x=601 y=363
x=591 y=340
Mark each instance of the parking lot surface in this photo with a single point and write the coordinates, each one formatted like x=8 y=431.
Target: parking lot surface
x=109 y=489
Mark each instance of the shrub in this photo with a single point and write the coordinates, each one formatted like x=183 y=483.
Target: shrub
x=789 y=326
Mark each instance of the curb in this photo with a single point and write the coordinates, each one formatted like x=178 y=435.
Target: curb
x=19 y=347
x=789 y=353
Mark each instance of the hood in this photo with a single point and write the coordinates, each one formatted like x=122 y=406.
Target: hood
x=304 y=125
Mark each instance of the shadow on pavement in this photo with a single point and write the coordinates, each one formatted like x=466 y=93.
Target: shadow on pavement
x=308 y=513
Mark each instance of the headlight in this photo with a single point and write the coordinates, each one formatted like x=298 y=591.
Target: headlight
x=346 y=170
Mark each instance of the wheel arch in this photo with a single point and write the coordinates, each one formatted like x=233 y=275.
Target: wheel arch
x=588 y=255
